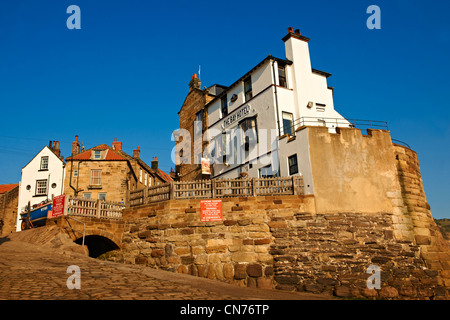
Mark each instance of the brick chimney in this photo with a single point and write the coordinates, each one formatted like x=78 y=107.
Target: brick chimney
x=56 y=149
x=155 y=163
x=172 y=174
x=75 y=146
x=117 y=145
x=137 y=153
x=194 y=83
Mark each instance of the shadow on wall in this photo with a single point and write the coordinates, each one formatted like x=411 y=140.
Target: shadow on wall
x=97 y=245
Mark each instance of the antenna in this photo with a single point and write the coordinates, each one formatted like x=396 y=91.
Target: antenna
x=199 y=66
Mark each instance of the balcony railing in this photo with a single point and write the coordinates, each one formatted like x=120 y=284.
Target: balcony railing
x=332 y=123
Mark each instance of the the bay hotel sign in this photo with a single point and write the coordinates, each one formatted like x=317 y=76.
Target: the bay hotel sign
x=236 y=116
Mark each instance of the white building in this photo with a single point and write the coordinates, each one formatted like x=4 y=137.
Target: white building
x=248 y=120
x=42 y=179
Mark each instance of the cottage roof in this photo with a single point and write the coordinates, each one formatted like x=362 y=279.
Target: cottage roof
x=7 y=187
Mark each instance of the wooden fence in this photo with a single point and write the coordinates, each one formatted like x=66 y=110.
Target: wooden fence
x=94 y=208
x=218 y=188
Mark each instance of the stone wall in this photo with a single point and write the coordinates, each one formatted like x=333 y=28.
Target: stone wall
x=114 y=179
x=279 y=242
x=434 y=249
x=8 y=211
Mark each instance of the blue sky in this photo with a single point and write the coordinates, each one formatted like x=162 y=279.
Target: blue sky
x=125 y=74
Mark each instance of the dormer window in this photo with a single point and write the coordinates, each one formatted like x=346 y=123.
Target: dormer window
x=97 y=154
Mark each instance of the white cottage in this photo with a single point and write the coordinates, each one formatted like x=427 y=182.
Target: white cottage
x=272 y=100
x=42 y=178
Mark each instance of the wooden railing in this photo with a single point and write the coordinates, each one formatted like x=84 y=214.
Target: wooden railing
x=218 y=188
x=94 y=208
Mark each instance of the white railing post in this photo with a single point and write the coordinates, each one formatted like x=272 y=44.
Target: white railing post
x=98 y=208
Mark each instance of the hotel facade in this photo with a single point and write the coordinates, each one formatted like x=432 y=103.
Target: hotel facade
x=252 y=128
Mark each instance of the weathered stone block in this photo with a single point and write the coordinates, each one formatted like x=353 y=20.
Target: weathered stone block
x=244 y=257
x=388 y=293
x=254 y=270
x=240 y=271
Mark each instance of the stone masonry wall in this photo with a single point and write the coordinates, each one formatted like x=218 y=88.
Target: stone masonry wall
x=282 y=243
x=425 y=232
x=8 y=211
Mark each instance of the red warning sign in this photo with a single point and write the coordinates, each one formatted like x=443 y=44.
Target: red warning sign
x=211 y=210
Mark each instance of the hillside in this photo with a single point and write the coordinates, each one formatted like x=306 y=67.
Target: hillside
x=444 y=224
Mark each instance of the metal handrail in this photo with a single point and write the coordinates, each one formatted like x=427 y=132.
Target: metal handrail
x=404 y=144
x=337 y=122
x=84 y=227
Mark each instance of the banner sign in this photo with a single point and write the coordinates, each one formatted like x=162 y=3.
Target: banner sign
x=211 y=210
x=58 y=207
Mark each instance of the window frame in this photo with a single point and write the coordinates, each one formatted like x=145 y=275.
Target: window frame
x=92 y=177
x=291 y=127
x=291 y=166
x=102 y=193
x=248 y=93
x=282 y=77
x=36 y=193
x=224 y=106
x=44 y=164
x=87 y=195
x=97 y=152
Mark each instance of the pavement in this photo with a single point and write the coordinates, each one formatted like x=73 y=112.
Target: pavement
x=35 y=272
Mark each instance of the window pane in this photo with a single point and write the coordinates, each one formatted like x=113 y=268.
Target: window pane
x=292 y=163
x=282 y=77
x=248 y=89
x=44 y=163
x=288 y=122
x=224 y=106
x=86 y=195
x=41 y=187
x=96 y=177
x=102 y=196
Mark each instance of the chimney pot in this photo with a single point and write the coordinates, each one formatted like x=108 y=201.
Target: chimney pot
x=290 y=30
x=297 y=31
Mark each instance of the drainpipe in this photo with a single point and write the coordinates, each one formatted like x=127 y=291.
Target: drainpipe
x=276 y=106
x=70 y=181
x=276 y=96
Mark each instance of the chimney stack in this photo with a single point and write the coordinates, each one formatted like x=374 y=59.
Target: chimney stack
x=56 y=149
x=195 y=83
x=54 y=146
x=172 y=174
x=75 y=146
x=117 y=145
x=155 y=163
x=137 y=153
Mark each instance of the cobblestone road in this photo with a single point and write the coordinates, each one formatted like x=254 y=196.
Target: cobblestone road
x=34 y=272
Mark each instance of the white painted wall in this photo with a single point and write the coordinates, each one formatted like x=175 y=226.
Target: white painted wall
x=31 y=173
x=303 y=86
